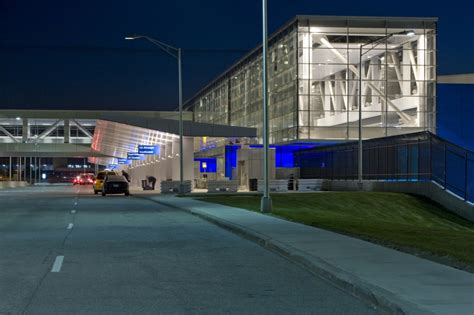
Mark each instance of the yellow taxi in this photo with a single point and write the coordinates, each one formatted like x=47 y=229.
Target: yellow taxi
x=99 y=180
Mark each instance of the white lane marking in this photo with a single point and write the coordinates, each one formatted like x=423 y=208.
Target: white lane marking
x=73 y=211
x=58 y=263
x=70 y=226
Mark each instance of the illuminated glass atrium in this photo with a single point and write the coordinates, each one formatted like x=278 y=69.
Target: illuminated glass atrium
x=314 y=81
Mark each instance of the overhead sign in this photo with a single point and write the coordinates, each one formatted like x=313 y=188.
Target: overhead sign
x=149 y=149
x=123 y=161
x=112 y=166
x=135 y=156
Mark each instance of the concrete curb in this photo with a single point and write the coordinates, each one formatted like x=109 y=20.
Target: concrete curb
x=380 y=298
x=13 y=184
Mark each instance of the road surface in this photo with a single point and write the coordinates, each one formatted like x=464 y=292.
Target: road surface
x=65 y=250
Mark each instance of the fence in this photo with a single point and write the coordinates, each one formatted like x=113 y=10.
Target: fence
x=412 y=157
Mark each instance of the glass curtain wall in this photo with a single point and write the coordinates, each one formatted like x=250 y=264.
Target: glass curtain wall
x=213 y=106
x=398 y=79
x=243 y=87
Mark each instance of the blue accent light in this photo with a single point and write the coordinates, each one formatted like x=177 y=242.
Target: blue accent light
x=284 y=154
x=230 y=159
x=207 y=165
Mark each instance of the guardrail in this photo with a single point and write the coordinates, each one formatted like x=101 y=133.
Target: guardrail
x=412 y=157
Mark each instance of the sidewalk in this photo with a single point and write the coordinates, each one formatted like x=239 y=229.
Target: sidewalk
x=392 y=280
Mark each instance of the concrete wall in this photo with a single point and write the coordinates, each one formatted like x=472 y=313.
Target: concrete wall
x=12 y=184
x=426 y=189
x=166 y=165
x=253 y=158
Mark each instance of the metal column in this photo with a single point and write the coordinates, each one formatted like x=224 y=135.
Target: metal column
x=266 y=202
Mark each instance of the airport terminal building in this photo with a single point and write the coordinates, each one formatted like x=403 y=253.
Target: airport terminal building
x=317 y=74
x=322 y=71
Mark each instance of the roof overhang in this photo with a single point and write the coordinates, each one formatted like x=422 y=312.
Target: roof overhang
x=190 y=128
x=50 y=150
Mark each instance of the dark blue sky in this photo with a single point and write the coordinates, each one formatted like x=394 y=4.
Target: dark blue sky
x=71 y=54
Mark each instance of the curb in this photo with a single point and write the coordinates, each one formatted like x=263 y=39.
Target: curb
x=379 y=298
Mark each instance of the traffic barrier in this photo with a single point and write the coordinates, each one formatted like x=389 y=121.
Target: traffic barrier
x=274 y=184
x=310 y=184
x=172 y=186
x=222 y=186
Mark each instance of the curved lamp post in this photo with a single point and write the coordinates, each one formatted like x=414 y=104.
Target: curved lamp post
x=175 y=53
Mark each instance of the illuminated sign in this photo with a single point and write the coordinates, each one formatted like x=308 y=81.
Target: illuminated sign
x=134 y=156
x=149 y=149
x=123 y=161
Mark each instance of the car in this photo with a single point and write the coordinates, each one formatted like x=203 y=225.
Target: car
x=115 y=184
x=99 y=180
x=76 y=180
x=83 y=179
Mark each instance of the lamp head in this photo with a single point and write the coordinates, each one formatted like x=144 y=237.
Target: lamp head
x=132 y=37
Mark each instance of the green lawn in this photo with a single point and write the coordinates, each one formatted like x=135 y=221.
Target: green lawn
x=396 y=220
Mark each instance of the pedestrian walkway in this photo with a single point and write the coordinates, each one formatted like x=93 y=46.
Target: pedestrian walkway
x=395 y=281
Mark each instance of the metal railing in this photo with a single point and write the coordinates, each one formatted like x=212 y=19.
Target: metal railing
x=412 y=157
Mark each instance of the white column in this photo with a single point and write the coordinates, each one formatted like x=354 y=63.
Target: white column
x=169 y=161
x=25 y=130
x=175 y=160
x=188 y=159
x=406 y=70
x=421 y=59
x=67 y=131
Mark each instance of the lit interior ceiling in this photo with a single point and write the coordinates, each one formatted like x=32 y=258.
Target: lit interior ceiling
x=330 y=64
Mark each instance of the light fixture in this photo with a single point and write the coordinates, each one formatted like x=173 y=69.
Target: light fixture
x=132 y=37
x=18 y=118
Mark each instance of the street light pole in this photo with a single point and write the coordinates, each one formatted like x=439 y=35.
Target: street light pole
x=374 y=44
x=181 y=151
x=361 y=153
x=176 y=53
x=266 y=202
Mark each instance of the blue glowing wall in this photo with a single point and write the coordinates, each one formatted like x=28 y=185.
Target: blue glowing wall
x=207 y=165
x=230 y=159
x=284 y=154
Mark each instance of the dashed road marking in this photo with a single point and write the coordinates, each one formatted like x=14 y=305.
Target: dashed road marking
x=73 y=211
x=58 y=263
x=70 y=225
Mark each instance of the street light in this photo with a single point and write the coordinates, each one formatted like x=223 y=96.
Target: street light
x=176 y=53
x=374 y=44
x=266 y=202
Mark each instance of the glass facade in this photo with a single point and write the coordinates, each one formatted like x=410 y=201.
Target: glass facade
x=322 y=70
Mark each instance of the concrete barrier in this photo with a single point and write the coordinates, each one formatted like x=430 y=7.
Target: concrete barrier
x=310 y=184
x=222 y=186
x=12 y=184
x=172 y=186
x=427 y=189
x=274 y=184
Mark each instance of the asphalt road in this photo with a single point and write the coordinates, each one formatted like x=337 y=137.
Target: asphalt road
x=126 y=255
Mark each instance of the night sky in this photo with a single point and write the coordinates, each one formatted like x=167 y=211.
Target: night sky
x=72 y=55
